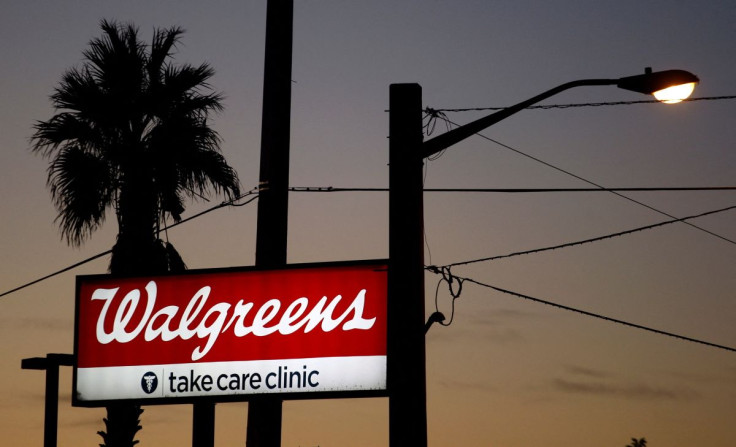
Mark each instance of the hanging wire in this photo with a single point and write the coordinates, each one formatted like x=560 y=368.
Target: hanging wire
x=253 y=192
x=432 y=116
x=591 y=314
x=454 y=285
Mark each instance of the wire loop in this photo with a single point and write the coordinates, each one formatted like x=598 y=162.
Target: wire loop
x=455 y=291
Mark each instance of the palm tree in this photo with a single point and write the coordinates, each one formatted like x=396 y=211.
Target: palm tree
x=131 y=134
x=642 y=442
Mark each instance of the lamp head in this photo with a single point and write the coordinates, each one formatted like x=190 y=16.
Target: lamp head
x=669 y=86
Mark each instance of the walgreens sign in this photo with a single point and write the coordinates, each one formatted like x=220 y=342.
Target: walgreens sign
x=232 y=333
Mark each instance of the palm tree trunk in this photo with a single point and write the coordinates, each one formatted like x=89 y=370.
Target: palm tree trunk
x=136 y=252
x=121 y=425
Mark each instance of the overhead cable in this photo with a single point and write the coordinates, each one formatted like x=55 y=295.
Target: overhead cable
x=520 y=190
x=595 y=239
x=105 y=253
x=595 y=315
x=630 y=199
x=587 y=104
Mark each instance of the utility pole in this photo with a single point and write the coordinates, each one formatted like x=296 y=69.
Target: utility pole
x=50 y=364
x=406 y=366
x=264 y=413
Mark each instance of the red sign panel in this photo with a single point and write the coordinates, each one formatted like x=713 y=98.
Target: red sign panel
x=231 y=333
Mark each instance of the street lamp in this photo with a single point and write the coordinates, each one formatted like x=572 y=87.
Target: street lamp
x=669 y=87
x=406 y=326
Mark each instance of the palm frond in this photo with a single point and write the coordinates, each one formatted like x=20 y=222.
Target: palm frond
x=64 y=128
x=162 y=46
x=127 y=107
x=80 y=189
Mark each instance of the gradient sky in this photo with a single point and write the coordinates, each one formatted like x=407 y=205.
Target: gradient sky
x=507 y=372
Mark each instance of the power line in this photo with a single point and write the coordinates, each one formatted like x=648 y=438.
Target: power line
x=230 y=202
x=58 y=272
x=630 y=199
x=594 y=315
x=217 y=207
x=484 y=190
x=575 y=105
x=587 y=241
x=519 y=190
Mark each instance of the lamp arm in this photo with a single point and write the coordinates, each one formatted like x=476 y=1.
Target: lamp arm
x=447 y=139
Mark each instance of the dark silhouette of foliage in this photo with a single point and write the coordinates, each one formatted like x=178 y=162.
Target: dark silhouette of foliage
x=642 y=442
x=131 y=134
x=121 y=433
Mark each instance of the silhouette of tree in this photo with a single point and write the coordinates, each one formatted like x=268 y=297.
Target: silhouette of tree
x=132 y=135
x=642 y=442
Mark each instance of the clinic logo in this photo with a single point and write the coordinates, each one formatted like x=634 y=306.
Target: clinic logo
x=149 y=382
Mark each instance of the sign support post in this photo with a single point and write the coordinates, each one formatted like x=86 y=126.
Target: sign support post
x=203 y=424
x=50 y=364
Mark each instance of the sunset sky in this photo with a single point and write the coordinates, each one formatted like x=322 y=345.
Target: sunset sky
x=508 y=372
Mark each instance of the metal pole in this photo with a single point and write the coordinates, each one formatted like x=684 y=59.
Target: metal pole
x=264 y=413
x=51 y=410
x=406 y=350
x=203 y=424
x=50 y=364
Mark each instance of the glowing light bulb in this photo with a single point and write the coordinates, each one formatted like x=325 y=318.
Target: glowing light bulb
x=675 y=94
